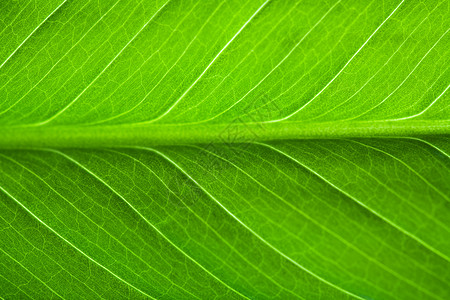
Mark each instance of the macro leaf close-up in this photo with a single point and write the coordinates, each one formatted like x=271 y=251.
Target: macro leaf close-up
x=258 y=149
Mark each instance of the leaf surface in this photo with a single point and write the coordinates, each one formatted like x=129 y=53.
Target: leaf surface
x=224 y=149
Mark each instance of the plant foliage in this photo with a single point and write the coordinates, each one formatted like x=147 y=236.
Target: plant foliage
x=224 y=149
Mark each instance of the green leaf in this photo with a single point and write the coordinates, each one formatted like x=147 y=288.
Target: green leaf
x=224 y=149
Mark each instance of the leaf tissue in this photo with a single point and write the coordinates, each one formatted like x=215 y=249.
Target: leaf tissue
x=263 y=149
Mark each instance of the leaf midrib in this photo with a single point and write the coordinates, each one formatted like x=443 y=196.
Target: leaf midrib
x=235 y=132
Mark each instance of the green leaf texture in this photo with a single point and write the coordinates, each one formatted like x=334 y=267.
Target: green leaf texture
x=227 y=149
